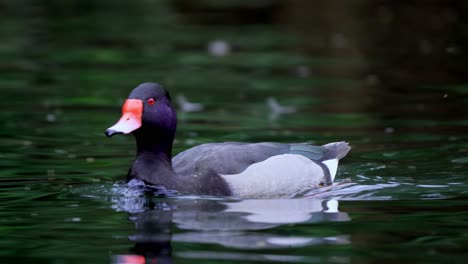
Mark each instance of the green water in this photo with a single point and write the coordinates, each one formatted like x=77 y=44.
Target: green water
x=66 y=69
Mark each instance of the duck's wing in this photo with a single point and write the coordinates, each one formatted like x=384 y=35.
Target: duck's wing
x=235 y=157
x=224 y=158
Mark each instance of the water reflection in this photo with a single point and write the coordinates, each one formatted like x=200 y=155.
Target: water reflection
x=234 y=224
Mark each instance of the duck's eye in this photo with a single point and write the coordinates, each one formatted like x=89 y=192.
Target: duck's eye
x=151 y=101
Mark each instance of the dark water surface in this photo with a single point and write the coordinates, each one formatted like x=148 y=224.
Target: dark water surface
x=402 y=192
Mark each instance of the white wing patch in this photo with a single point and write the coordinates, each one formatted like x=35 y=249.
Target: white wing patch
x=332 y=166
x=281 y=176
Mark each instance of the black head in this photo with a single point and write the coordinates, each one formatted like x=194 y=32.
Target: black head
x=149 y=90
x=148 y=109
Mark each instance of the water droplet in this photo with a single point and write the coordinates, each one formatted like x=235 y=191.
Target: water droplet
x=60 y=151
x=219 y=48
x=378 y=167
x=303 y=71
x=50 y=118
x=461 y=160
x=425 y=47
x=338 y=41
x=390 y=154
x=372 y=80
x=451 y=50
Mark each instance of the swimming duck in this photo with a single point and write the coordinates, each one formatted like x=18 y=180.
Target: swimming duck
x=244 y=170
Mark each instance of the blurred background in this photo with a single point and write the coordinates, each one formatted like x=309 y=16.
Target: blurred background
x=260 y=70
x=388 y=76
x=241 y=48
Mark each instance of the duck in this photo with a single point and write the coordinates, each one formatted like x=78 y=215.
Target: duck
x=231 y=169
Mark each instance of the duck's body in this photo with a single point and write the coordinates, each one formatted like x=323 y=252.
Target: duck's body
x=246 y=170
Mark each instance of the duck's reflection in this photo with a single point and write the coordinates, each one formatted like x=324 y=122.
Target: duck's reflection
x=230 y=223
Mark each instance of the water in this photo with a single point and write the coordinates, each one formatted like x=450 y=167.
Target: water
x=402 y=190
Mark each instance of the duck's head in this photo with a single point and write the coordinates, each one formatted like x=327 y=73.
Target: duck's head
x=148 y=109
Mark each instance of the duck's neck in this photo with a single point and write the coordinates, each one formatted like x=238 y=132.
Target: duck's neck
x=159 y=144
x=153 y=162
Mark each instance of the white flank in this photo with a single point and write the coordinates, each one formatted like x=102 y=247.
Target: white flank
x=281 y=176
x=332 y=206
x=332 y=166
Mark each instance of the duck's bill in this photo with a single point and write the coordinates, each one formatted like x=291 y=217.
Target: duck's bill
x=131 y=118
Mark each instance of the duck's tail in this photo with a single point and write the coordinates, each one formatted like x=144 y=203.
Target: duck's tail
x=337 y=150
